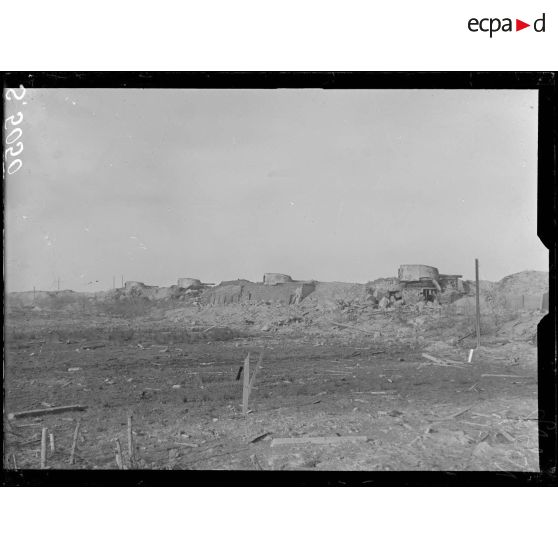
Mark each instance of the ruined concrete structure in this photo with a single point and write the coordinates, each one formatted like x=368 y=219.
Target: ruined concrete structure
x=428 y=283
x=412 y=272
x=139 y=289
x=415 y=282
x=132 y=284
x=276 y=278
x=188 y=283
x=241 y=290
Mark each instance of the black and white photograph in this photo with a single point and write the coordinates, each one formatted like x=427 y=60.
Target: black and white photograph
x=272 y=279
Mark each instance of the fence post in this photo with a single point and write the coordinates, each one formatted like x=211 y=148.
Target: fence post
x=477 y=301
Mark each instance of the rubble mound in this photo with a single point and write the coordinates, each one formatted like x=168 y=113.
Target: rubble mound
x=332 y=292
x=523 y=329
x=524 y=282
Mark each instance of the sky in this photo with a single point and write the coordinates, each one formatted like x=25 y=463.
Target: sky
x=152 y=185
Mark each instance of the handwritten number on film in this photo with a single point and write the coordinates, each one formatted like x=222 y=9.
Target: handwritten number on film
x=13 y=134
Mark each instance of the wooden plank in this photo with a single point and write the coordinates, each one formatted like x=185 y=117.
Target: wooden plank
x=442 y=362
x=317 y=440
x=46 y=411
x=74 y=443
x=502 y=376
x=452 y=416
x=434 y=359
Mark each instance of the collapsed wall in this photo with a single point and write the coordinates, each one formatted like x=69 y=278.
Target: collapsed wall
x=384 y=286
x=522 y=291
x=245 y=291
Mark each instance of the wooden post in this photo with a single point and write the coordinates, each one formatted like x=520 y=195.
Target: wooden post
x=477 y=300
x=43 y=448
x=246 y=384
x=51 y=438
x=118 y=454
x=14 y=460
x=130 y=442
x=74 y=443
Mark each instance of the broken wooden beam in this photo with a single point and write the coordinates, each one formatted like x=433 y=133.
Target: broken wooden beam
x=74 y=443
x=506 y=435
x=434 y=359
x=503 y=376
x=351 y=327
x=260 y=437
x=465 y=336
x=442 y=362
x=452 y=416
x=48 y=411
x=317 y=440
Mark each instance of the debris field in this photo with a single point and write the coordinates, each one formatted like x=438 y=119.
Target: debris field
x=330 y=382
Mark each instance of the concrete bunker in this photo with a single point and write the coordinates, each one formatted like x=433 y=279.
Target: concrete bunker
x=276 y=279
x=241 y=290
x=189 y=283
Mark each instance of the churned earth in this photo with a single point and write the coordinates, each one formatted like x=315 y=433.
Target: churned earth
x=342 y=371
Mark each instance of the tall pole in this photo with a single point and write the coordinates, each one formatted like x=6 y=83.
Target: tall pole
x=478 y=300
x=58 y=283
x=122 y=281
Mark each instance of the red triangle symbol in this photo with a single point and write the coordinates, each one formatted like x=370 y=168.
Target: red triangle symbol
x=519 y=25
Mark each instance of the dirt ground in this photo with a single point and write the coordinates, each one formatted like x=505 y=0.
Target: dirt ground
x=177 y=377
